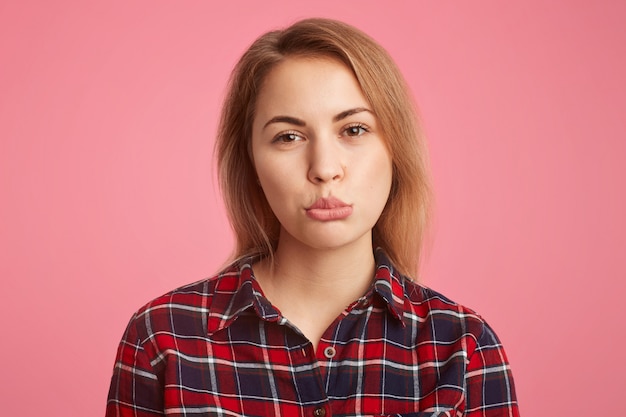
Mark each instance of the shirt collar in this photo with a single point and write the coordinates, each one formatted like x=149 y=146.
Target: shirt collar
x=237 y=291
x=389 y=285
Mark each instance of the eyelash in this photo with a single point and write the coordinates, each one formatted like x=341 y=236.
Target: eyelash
x=360 y=126
x=290 y=136
x=282 y=136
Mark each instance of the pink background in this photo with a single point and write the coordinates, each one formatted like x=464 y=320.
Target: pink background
x=107 y=119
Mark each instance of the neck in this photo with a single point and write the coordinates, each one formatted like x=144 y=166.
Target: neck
x=312 y=286
x=345 y=269
x=327 y=279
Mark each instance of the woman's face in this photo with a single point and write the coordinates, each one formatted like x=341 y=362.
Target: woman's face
x=319 y=155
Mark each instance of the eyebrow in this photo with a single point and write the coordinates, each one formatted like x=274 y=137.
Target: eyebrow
x=350 y=112
x=299 y=122
x=285 y=119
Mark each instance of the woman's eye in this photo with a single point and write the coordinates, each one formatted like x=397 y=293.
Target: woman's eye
x=288 y=137
x=355 y=131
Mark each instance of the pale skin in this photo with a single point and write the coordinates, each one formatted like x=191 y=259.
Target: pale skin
x=315 y=139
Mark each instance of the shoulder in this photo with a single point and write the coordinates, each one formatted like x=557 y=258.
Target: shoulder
x=183 y=311
x=443 y=319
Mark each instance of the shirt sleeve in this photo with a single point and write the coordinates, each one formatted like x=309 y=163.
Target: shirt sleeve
x=490 y=391
x=135 y=387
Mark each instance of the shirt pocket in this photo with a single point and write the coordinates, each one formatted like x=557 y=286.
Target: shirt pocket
x=444 y=413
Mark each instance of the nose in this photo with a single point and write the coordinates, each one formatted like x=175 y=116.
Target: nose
x=325 y=161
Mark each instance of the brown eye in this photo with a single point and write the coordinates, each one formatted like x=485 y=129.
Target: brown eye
x=288 y=137
x=355 y=131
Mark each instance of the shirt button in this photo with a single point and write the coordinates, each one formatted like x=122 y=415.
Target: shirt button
x=330 y=352
x=319 y=412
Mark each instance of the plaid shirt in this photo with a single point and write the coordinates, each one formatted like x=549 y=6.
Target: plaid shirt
x=219 y=348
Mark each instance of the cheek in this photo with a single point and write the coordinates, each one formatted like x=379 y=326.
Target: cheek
x=382 y=171
x=263 y=166
x=275 y=177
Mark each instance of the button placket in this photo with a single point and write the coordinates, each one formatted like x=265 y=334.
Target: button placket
x=330 y=352
x=319 y=412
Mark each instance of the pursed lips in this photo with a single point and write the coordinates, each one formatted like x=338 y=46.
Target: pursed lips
x=329 y=208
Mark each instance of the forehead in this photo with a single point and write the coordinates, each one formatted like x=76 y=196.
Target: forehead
x=309 y=85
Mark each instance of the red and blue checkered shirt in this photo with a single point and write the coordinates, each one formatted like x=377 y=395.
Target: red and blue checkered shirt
x=219 y=348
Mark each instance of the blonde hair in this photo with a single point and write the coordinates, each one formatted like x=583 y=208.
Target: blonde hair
x=402 y=225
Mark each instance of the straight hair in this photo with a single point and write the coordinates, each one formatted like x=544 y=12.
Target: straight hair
x=401 y=228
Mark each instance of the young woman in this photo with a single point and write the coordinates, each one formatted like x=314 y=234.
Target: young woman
x=324 y=174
